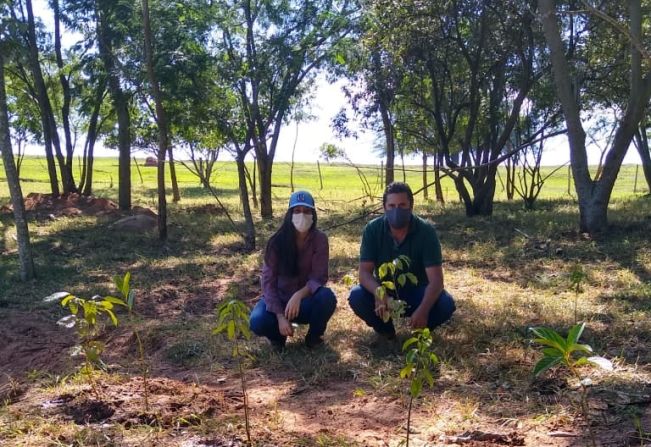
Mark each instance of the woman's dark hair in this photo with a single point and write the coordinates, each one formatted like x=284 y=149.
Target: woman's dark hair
x=283 y=243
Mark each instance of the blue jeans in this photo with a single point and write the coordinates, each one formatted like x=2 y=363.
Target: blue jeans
x=363 y=304
x=315 y=310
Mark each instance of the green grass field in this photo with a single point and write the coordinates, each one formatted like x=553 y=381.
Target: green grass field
x=341 y=183
x=507 y=272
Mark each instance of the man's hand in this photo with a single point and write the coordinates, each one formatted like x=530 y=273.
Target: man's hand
x=419 y=318
x=284 y=326
x=293 y=306
x=382 y=308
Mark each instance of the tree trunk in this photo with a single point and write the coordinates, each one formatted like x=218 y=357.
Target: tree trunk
x=176 y=196
x=425 y=189
x=86 y=184
x=22 y=232
x=264 y=176
x=511 y=167
x=43 y=100
x=161 y=119
x=391 y=146
x=594 y=196
x=642 y=144
x=249 y=238
x=67 y=96
x=438 y=189
x=121 y=106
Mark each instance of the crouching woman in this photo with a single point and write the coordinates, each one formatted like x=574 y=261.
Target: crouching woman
x=294 y=275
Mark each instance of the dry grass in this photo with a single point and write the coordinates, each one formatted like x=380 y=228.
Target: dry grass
x=507 y=273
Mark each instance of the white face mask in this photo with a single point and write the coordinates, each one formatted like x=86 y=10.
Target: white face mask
x=302 y=222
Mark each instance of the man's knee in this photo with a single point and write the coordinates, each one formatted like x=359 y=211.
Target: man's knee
x=357 y=297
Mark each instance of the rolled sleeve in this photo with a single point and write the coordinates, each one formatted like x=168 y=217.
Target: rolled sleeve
x=318 y=276
x=269 y=283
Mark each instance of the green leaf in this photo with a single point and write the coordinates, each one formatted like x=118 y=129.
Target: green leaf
x=549 y=337
x=601 y=362
x=545 y=363
x=389 y=285
x=67 y=299
x=406 y=371
x=398 y=263
x=380 y=292
x=382 y=271
x=415 y=388
x=125 y=284
x=231 y=330
x=114 y=300
x=74 y=309
x=114 y=319
x=402 y=279
x=131 y=299
x=408 y=343
x=580 y=348
x=575 y=333
x=412 y=278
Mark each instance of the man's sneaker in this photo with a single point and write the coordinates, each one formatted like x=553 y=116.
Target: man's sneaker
x=313 y=342
x=390 y=335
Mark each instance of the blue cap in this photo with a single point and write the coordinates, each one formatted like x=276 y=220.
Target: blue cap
x=301 y=198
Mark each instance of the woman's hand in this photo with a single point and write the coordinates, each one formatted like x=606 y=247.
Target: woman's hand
x=293 y=306
x=284 y=326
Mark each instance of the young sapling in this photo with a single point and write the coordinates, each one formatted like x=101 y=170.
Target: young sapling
x=419 y=362
x=392 y=275
x=568 y=353
x=233 y=321
x=85 y=316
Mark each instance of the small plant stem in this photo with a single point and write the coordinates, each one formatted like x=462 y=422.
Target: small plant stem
x=584 y=405
x=245 y=397
x=411 y=399
x=586 y=414
x=576 y=300
x=143 y=369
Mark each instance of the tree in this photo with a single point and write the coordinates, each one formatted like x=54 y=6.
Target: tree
x=110 y=18
x=642 y=146
x=161 y=120
x=594 y=194
x=268 y=52
x=472 y=66
x=22 y=232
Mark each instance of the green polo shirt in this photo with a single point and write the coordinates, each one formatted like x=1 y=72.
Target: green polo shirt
x=421 y=245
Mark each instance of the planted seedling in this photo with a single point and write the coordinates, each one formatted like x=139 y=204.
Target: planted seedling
x=233 y=321
x=85 y=316
x=393 y=275
x=129 y=296
x=570 y=354
x=419 y=363
x=577 y=276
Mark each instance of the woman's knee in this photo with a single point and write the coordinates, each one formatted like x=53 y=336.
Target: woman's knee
x=257 y=319
x=327 y=298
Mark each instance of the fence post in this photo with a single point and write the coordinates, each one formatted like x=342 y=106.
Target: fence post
x=320 y=176
x=637 y=168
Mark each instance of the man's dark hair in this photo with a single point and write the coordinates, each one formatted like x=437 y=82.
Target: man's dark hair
x=398 y=188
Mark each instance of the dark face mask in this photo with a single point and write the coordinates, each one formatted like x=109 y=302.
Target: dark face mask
x=398 y=217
